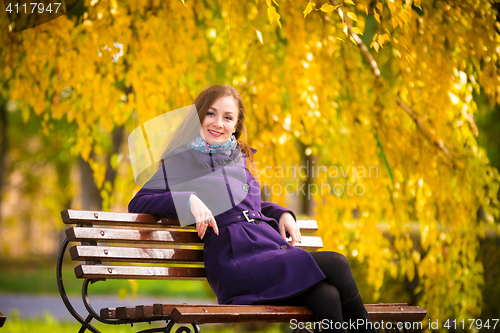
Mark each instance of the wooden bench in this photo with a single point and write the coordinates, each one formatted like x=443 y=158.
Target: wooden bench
x=2 y=319
x=113 y=244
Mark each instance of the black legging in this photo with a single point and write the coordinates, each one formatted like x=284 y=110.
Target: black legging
x=335 y=298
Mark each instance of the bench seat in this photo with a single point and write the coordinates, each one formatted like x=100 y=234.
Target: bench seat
x=209 y=314
x=142 y=246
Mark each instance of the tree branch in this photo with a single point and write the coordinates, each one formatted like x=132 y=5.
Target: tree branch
x=428 y=133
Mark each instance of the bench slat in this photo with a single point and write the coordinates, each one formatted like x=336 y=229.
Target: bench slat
x=395 y=313
x=309 y=242
x=108 y=313
x=239 y=313
x=108 y=235
x=205 y=314
x=87 y=217
x=211 y=313
x=139 y=272
x=129 y=254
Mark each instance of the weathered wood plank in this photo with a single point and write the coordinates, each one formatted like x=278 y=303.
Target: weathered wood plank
x=309 y=242
x=144 y=311
x=395 y=313
x=239 y=313
x=87 y=217
x=139 y=272
x=212 y=313
x=255 y=313
x=130 y=254
x=143 y=236
x=166 y=309
x=108 y=313
x=125 y=312
x=153 y=236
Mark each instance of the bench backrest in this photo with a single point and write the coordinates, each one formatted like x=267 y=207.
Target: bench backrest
x=130 y=246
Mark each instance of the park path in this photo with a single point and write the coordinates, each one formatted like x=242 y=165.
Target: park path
x=31 y=306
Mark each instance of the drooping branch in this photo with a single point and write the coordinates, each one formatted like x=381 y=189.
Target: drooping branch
x=428 y=133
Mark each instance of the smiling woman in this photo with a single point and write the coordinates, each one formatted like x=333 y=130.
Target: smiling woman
x=204 y=179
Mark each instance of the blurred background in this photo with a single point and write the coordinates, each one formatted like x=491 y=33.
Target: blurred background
x=379 y=119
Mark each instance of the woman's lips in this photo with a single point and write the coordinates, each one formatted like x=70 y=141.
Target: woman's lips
x=214 y=133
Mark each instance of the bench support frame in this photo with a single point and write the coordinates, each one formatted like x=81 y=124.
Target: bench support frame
x=92 y=314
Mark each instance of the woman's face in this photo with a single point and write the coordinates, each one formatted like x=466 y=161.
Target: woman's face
x=220 y=121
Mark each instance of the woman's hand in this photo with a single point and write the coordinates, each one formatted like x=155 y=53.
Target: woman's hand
x=287 y=223
x=200 y=212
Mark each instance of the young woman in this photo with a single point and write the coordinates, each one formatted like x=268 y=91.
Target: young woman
x=205 y=178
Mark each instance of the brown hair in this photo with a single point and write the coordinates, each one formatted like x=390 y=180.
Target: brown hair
x=190 y=126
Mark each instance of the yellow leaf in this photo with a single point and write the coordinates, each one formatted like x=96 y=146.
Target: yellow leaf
x=276 y=2
x=259 y=35
x=356 y=31
x=352 y=40
x=345 y=29
x=375 y=46
x=341 y=14
x=352 y=16
x=273 y=15
x=309 y=8
x=328 y=8
x=395 y=22
x=349 y=2
x=377 y=17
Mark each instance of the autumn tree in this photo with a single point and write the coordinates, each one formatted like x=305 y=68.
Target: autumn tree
x=376 y=98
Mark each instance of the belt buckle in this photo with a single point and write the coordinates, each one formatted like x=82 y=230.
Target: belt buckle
x=245 y=214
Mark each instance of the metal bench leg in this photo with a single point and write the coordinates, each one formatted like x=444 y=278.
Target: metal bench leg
x=196 y=328
x=65 y=299
x=170 y=325
x=87 y=326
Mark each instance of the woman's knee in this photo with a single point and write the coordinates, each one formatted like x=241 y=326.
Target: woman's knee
x=331 y=259
x=322 y=296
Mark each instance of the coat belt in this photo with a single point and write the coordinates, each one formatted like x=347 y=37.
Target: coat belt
x=244 y=216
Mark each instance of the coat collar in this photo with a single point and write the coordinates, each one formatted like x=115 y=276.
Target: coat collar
x=204 y=160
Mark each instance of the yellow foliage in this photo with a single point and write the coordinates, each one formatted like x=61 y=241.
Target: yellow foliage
x=127 y=62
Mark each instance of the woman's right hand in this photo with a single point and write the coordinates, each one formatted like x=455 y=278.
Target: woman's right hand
x=200 y=212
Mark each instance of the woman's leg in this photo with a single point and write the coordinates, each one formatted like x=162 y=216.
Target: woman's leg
x=324 y=299
x=338 y=273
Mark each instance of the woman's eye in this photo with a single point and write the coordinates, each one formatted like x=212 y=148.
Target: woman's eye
x=229 y=118
x=209 y=113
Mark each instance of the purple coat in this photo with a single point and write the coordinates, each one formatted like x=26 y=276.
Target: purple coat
x=248 y=262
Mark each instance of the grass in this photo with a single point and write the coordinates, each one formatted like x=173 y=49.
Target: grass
x=27 y=279
x=48 y=324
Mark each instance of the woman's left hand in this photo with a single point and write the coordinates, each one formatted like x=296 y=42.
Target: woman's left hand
x=287 y=223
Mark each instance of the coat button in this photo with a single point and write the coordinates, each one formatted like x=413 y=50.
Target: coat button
x=246 y=187
x=284 y=247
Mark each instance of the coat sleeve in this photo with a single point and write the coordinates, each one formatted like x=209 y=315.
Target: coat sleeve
x=274 y=211
x=156 y=198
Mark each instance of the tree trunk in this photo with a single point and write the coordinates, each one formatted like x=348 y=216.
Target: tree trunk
x=3 y=148
x=117 y=141
x=91 y=197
